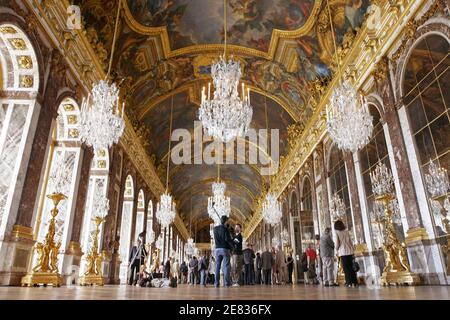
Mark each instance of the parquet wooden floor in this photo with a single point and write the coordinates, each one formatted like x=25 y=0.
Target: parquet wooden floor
x=187 y=292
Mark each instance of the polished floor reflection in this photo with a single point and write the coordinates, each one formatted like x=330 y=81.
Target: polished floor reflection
x=186 y=292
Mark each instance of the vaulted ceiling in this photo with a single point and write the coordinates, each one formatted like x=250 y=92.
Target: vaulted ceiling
x=165 y=49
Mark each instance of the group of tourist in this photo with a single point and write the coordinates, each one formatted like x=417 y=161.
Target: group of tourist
x=233 y=265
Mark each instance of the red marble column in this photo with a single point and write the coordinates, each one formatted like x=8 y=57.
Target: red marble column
x=37 y=161
x=392 y=120
x=354 y=197
x=81 y=194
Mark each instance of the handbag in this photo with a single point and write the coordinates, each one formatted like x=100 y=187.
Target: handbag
x=355 y=265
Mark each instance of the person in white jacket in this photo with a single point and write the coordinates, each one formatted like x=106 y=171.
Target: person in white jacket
x=345 y=250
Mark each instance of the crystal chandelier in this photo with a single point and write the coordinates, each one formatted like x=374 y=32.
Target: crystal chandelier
x=271 y=210
x=165 y=209
x=59 y=179
x=190 y=247
x=337 y=208
x=225 y=115
x=218 y=204
x=101 y=123
x=276 y=241
x=284 y=236
x=437 y=180
x=159 y=244
x=382 y=181
x=349 y=122
x=101 y=204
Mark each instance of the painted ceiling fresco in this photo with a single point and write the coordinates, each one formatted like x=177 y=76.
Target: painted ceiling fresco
x=169 y=45
x=250 y=22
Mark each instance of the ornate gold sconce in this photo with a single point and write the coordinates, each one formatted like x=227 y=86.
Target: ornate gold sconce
x=94 y=259
x=46 y=270
x=397 y=269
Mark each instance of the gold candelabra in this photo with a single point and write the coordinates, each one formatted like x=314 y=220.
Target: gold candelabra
x=94 y=259
x=397 y=270
x=446 y=222
x=46 y=271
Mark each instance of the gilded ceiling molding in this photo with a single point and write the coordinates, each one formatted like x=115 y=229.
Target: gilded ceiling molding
x=233 y=49
x=367 y=49
x=82 y=58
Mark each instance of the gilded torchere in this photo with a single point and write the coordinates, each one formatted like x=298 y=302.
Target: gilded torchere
x=94 y=259
x=397 y=270
x=46 y=270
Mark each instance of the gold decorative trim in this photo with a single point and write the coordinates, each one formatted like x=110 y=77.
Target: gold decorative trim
x=75 y=248
x=269 y=55
x=22 y=232
x=8 y=30
x=25 y=62
x=18 y=44
x=26 y=81
x=361 y=248
x=416 y=235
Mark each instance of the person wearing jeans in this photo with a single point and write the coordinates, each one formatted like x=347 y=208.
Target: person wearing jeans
x=224 y=244
x=327 y=255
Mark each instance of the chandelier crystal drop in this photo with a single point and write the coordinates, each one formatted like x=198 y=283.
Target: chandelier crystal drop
x=349 y=121
x=337 y=208
x=159 y=244
x=101 y=123
x=226 y=115
x=437 y=180
x=218 y=204
x=382 y=180
x=101 y=205
x=271 y=210
x=165 y=210
x=284 y=236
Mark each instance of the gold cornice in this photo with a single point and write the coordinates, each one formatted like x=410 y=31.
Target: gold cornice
x=361 y=59
x=233 y=49
x=22 y=232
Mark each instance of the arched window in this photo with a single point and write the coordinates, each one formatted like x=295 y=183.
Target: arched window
x=98 y=182
x=140 y=214
x=18 y=74
x=65 y=152
x=338 y=183
x=306 y=214
x=426 y=95
x=125 y=228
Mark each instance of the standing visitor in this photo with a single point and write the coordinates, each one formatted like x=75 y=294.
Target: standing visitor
x=327 y=256
x=184 y=272
x=238 y=257
x=211 y=269
x=258 y=267
x=193 y=271
x=203 y=269
x=318 y=259
x=167 y=269
x=136 y=260
x=267 y=264
x=176 y=271
x=224 y=244
x=290 y=266
x=249 y=256
x=311 y=256
x=345 y=250
x=280 y=263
